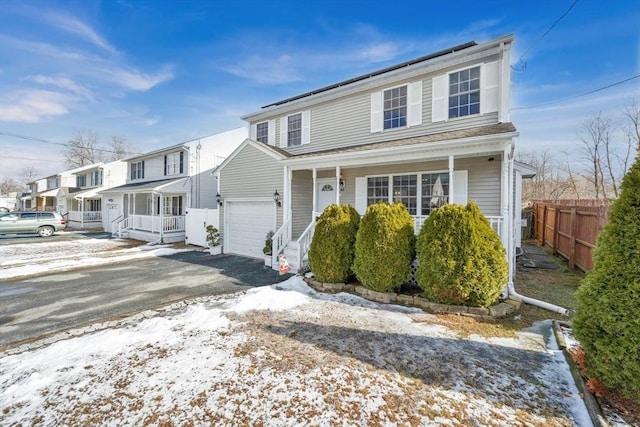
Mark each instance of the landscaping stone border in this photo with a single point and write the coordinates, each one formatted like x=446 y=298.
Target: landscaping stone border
x=503 y=309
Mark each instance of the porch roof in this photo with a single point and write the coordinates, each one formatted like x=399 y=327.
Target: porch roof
x=159 y=186
x=463 y=141
x=88 y=193
x=48 y=193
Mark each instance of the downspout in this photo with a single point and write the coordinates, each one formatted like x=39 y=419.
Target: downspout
x=511 y=291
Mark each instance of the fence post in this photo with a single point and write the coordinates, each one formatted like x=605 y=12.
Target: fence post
x=544 y=225
x=556 y=229
x=572 y=241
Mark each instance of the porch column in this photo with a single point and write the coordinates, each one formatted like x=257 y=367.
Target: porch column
x=161 y=216
x=285 y=194
x=509 y=219
x=314 y=204
x=451 y=184
x=337 y=187
x=81 y=212
x=289 y=202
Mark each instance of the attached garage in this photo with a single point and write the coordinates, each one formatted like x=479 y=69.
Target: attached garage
x=246 y=225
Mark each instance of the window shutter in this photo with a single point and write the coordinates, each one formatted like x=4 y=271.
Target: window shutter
x=165 y=165
x=376 y=112
x=361 y=195
x=460 y=187
x=490 y=87
x=181 y=161
x=439 y=98
x=414 y=112
x=284 y=127
x=272 y=132
x=306 y=127
x=142 y=170
x=253 y=131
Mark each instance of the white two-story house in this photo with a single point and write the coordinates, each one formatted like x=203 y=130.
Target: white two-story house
x=85 y=202
x=162 y=184
x=426 y=132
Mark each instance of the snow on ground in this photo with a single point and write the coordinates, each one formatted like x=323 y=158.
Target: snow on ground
x=285 y=355
x=23 y=259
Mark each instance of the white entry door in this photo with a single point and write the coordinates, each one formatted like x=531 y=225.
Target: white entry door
x=326 y=191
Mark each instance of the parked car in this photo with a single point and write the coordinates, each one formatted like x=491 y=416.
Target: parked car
x=3 y=209
x=43 y=224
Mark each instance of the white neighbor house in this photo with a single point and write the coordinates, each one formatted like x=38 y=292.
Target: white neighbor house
x=162 y=184
x=429 y=131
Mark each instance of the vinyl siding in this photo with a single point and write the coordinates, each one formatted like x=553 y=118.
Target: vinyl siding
x=346 y=121
x=251 y=174
x=301 y=201
x=483 y=180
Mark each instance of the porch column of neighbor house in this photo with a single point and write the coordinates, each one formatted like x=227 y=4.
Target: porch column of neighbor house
x=314 y=203
x=451 y=163
x=161 y=216
x=81 y=211
x=337 y=187
x=132 y=206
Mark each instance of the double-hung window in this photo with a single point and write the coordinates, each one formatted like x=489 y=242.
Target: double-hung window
x=395 y=107
x=137 y=170
x=464 y=93
x=434 y=191
x=377 y=189
x=262 y=132
x=173 y=163
x=96 y=178
x=294 y=130
x=405 y=191
x=81 y=181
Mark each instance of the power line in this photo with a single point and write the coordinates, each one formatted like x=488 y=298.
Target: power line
x=520 y=60
x=558 y=101
x=44 y=141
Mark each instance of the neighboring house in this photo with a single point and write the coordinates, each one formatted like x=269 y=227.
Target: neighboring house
x=10 y=201
x=426 y=132
x=52 y=193
x=162 y=184
x=25 y=201
x=84 y=202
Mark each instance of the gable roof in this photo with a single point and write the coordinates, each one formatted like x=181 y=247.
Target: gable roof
x=276 y=152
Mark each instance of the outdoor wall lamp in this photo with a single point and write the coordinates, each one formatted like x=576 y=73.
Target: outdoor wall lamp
x=276 y=198
x=218 y=199
x=342 y=183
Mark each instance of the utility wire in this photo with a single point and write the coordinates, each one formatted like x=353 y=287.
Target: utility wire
x=44 y=141
x=558 y=101
x=520 y=60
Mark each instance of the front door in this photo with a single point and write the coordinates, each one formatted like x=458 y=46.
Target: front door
x=326 y=192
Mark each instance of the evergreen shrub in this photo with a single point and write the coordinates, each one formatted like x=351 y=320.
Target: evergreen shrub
x=385 y=247
x=461 y=259
x=607 y=319
x=332 y=248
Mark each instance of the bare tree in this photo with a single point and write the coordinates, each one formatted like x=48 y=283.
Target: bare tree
x=28 y=174
x=632 y=131
x=593 y=133
x=119 y=149
x=549 y=182
x=82 y=150
x=10 y=185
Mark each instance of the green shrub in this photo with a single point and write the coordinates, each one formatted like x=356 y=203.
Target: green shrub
x=385 y=247
x=607 y=319
x=461 y=259
x=332 y=248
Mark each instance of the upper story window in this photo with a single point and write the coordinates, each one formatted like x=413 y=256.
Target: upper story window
x=137 y=170
x=395 y=107
x=95 y=178
x=262 y=132
x=81 y=181
x=173 y=163
x=464 y=93
x=294 y=130
x=53 y=183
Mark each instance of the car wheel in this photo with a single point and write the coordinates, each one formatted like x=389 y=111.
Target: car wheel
x=45 y=231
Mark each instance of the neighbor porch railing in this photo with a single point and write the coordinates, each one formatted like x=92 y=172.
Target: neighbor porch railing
x=152 y=223
x=85 y=216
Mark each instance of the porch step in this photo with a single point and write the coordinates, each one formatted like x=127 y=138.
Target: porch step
x=291 y=253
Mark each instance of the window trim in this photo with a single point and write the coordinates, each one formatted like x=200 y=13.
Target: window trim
x=139 y=171
x=289 y=131
x=418 y=196
x=266 y=136
x=479 y=90
x=406 y=107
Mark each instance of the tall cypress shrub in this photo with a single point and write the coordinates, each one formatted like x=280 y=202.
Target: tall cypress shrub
x=385 y=247
x=333 y=245
x=607 y=319
x=461 y=259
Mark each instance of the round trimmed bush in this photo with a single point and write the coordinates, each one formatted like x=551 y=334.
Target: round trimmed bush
x=385 y=247
x=461 y=259
x=607 y=319
x=332 y=248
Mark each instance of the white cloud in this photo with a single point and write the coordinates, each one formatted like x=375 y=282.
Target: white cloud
x=79 y=28
x=63 y=83
x=134 y=80
x=266 y=70
x=32 y=106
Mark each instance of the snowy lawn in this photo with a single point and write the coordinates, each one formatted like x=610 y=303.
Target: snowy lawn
x=285 y=355
x=24 y=259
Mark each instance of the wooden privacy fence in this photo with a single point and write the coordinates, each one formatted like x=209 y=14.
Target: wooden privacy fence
x=570 y=228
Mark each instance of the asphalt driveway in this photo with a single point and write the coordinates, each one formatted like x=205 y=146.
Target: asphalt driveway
x=34 y=307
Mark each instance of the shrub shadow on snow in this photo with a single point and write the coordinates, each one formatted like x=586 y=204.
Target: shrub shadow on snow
x=515 y=377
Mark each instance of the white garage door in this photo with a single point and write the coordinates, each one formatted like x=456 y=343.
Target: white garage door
x=247 y=226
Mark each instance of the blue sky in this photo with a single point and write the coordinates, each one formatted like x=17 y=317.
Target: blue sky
x=161 y=72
